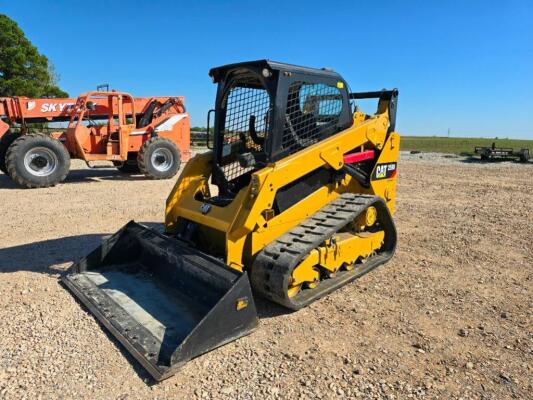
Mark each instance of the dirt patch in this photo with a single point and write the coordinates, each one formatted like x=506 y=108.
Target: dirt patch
x=448 y=317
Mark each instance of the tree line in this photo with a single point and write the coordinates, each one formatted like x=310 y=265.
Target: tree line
x=23 y=70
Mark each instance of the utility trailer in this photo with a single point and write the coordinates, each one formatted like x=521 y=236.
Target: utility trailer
x=150 y=135
x=501 y=153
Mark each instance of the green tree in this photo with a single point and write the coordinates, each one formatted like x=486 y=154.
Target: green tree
x=23 y=70
x=202 y=129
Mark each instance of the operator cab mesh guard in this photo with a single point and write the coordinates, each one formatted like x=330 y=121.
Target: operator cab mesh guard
x=252 y=129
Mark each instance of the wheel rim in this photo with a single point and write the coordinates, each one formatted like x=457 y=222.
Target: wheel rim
x=40 y=161
x=162 y=159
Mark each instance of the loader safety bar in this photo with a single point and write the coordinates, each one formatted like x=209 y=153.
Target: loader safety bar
x=381 y=94
x=389 y=96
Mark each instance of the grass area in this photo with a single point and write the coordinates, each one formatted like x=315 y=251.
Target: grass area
x=455 y=145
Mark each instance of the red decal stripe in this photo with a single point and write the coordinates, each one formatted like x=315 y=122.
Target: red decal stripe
x=358 y=157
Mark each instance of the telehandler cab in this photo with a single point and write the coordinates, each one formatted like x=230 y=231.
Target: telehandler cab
x=293 y=201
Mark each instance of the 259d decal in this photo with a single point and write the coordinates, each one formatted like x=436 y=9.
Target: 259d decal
x=384 y=171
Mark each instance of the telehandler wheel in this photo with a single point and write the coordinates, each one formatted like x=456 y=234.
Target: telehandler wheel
x=37 y=161
x=159 y=158
x=5 y=142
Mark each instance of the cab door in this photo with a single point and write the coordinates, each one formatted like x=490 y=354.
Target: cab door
x=123 y=124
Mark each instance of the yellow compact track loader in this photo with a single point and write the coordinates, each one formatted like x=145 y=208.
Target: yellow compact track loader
x=293 y=201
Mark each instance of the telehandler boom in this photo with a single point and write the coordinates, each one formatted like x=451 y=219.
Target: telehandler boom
x=293 y=201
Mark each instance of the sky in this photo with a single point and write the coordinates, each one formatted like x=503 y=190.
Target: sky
x=461 y=66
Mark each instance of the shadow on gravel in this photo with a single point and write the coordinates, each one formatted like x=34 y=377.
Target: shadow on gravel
x=268 y=309
x=7 y=183
x=94 y=174
x=45 y=256
x=82 y=176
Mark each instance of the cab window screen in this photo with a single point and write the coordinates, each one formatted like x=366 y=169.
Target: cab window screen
x=247 y=107
x=313 y=111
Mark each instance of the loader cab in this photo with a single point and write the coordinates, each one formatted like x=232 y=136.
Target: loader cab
x=267 y=110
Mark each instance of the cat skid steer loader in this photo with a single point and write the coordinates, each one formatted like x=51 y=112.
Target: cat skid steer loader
x=293 y=201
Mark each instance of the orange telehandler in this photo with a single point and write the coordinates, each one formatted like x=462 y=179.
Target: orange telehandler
x=150 y=135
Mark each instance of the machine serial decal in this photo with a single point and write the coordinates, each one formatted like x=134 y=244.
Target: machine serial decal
x=384 y=171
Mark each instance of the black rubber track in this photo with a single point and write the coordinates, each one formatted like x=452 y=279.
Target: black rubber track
x=274 y=265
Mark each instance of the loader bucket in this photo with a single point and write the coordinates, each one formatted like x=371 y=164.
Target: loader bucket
x=165 y=301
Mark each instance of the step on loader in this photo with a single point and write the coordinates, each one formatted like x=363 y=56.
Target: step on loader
x=293 y=201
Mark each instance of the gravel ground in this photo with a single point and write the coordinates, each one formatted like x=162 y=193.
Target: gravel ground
x=434 y=158
x=449 y=317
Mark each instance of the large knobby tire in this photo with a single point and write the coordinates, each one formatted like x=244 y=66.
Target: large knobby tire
x=5 y=142
x=159 y=158
x=37 y=161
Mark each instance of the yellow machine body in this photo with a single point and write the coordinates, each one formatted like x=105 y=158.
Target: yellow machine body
x=246 y=226
x=294 y=201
